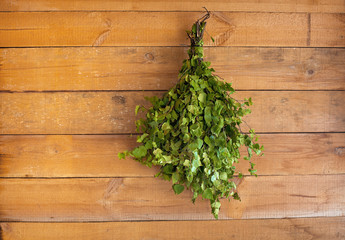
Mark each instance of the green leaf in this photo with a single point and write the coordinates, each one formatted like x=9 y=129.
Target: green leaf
x=236 y=196
x=224 y=153
x=137 y=109
x=199 y=143
x=196 y=162
x=186 y=163
x=194 y=28
x=208 y=141
x=149 y=144
x=139 y=152
x=174 y=115
x=184 y=121
x=168 y=169
x=121 y=155
x=173 y=94
x=208 y=194
x=208 y=116
x=223 y=176
x=142 y=137
x=215 y=129
x=196 y=130
x=214 y=178
x=193 y=109
x=166 y=127
x=176 y=146
x=186 y=138
x=206 y=64
x=219 y=105
x=160 y=135
x=178 y=188
x=193 y=146
x=175 y=177
x=202 y=97
x=215 y=208
x=166 y=159
x=216 y=205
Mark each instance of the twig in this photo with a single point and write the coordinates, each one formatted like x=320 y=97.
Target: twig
x=206 y=16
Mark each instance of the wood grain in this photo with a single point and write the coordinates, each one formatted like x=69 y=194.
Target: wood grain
x=96 y=155
x=120 y=199
x=265 y=229
x=29 y=29
x=113 y=112
x=156 y=68
x=188 y=5
x=328 y=29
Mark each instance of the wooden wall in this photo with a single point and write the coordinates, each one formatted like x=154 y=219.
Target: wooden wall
x=71 y=73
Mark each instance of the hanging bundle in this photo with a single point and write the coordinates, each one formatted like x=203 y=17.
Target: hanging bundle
x=194 y=131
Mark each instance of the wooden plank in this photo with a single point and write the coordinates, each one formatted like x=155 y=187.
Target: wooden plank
x=328 y=29
x=113 y=112
x=284 y=229
x=21 y=29
x=189 y=5
x=120 y=199
x=96 y=155
x=156 y=68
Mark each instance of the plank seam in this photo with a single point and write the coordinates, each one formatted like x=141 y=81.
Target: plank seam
x=134 y=134
x=162 y=11
x=152 y=177
x=177 y=220
x=155 y=90
x=172 y=46
x=180 y=45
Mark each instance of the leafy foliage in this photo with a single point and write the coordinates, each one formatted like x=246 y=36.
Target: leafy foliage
x=193 y=132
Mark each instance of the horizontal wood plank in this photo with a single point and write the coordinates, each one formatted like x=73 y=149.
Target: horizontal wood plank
x=156 y=68
x=25 y=29
x=327 y=30
x=21 y=29
x=96 y=155
x=119 y=199
x=265 y=229
x=188 y=5
x=113 y=112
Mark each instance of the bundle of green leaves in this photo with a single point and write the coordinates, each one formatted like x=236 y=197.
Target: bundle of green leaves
x=193 y=132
